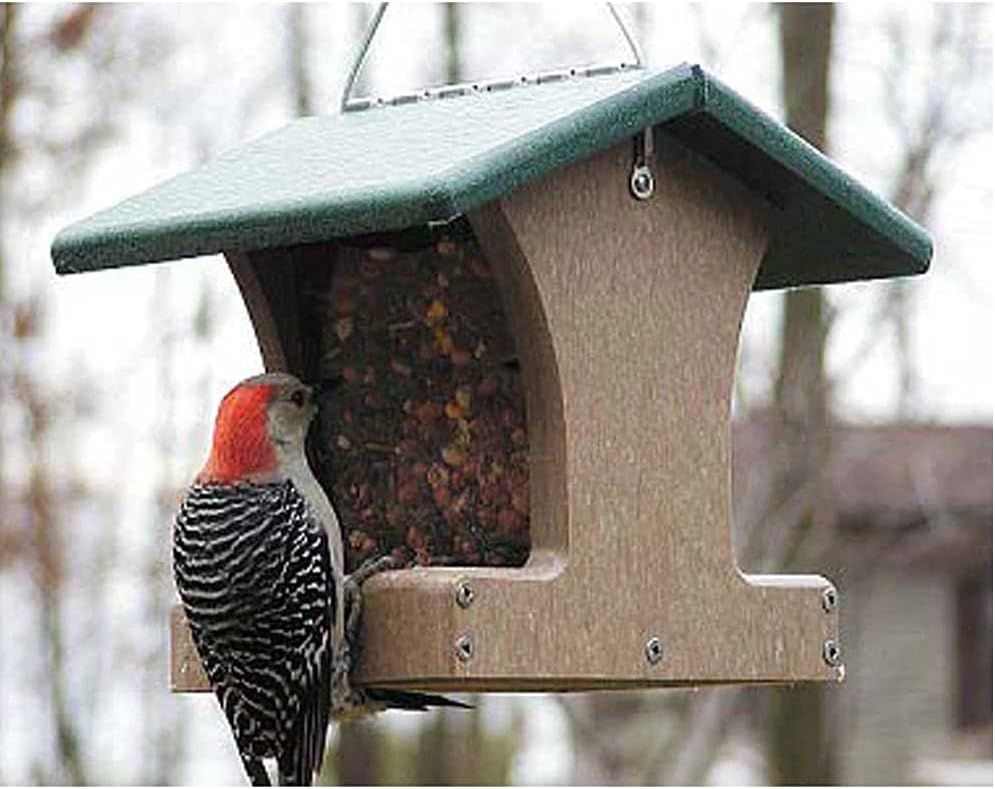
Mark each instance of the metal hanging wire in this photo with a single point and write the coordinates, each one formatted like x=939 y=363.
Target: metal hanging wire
x=364 y=50
x=348 y=103
x=637 y=53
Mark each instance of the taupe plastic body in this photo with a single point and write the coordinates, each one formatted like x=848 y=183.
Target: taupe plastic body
x=627 y=316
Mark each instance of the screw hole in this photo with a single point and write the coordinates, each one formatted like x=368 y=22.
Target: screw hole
x=464 y=594
x=464 y=648
x=654 y=651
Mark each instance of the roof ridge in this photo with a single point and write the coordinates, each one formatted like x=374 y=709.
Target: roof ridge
x=488 y=86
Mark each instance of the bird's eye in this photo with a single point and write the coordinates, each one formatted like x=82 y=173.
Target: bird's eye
x=298 y=398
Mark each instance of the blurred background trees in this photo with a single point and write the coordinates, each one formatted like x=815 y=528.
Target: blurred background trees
x=109 y=383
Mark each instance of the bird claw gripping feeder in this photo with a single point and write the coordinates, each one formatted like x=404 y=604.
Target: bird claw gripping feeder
x=583 y=242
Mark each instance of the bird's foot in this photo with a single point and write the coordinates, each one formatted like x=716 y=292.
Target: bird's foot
x=354 y=595
x=347 y=701
x=371 y=567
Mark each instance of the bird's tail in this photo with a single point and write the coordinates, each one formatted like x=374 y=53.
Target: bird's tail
x=255 y=770
x=294 y=774
x=410 y=700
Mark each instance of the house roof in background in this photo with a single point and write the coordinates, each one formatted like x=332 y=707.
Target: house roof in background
x=905 y=469
x=930 y=482
x=423 y=161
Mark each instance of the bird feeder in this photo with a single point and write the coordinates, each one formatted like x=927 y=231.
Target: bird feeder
x=625 y=215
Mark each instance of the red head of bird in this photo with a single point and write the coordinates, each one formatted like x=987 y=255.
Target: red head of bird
x=259 y=431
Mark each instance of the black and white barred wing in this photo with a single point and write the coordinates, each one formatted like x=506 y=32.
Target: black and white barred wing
x=253 y=571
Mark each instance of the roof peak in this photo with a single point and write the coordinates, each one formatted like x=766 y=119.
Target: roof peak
x=460 y=89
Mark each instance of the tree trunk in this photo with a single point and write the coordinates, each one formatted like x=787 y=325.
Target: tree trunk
x=452 y=32
x=797 y=746
x=430 y=768
x=358 y=754
x=300 y=76
x=44 y=537
x=8 y=92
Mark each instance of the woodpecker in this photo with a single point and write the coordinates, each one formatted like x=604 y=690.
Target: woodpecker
x=259 y=567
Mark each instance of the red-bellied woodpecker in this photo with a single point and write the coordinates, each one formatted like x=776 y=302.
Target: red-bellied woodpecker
x=258 y=563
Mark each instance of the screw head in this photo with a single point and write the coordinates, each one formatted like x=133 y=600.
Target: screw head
x=654 y=651
x=830 y=599
x=464 y=594
x=464 y=648
x=831 y=653
x=641 y=182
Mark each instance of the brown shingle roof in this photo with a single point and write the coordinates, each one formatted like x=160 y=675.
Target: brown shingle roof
x=932 y=483
x=896 y=474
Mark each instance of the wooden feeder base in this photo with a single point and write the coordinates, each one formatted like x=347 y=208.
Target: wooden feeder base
x=528 y=634
x=627 y=317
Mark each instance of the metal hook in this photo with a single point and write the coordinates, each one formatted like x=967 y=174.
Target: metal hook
x=378 y=15
x=641 y=181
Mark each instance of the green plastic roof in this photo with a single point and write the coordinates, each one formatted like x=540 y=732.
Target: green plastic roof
x=398 y=166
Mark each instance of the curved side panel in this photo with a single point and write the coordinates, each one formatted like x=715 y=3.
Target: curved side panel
x=260 y=310
x=277 y=286
x=541 y=381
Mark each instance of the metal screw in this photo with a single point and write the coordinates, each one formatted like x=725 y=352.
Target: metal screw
x=464 y=648
x=464 y=594
x=641 y=182
x=829 y=599
x=831 y=653
x=654 y=651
